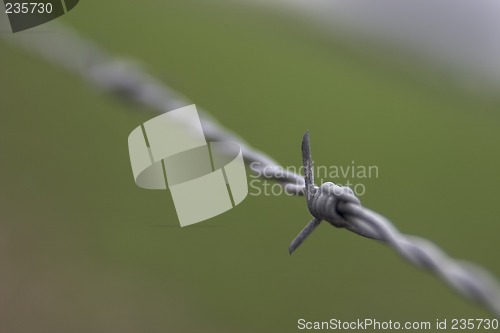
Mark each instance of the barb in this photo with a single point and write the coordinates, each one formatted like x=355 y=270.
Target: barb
x=342 y=209
x=329 y=202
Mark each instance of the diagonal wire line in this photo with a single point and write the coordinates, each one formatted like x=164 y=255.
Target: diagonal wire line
x=334 y=204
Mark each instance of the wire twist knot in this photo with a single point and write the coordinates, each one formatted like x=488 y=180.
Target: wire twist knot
x=324 y=203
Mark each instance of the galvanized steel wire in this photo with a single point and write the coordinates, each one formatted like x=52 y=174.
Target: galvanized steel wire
x=329 y=202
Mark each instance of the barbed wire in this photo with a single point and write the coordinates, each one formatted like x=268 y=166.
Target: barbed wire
x=335 y=204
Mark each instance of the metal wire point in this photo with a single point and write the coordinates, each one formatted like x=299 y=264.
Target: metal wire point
x=323 y=202
x=310 y=191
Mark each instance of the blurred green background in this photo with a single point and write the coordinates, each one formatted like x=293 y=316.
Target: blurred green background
x=83 y=249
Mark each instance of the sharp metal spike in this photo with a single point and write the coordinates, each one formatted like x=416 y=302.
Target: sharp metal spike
x=301 y=237
x=308 y=166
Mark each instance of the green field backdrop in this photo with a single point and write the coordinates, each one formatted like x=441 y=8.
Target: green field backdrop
x=83 y=249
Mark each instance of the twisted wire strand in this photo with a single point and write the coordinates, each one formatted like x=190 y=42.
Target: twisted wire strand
x=468 y=279
x=342 y=209
x=335 y=204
